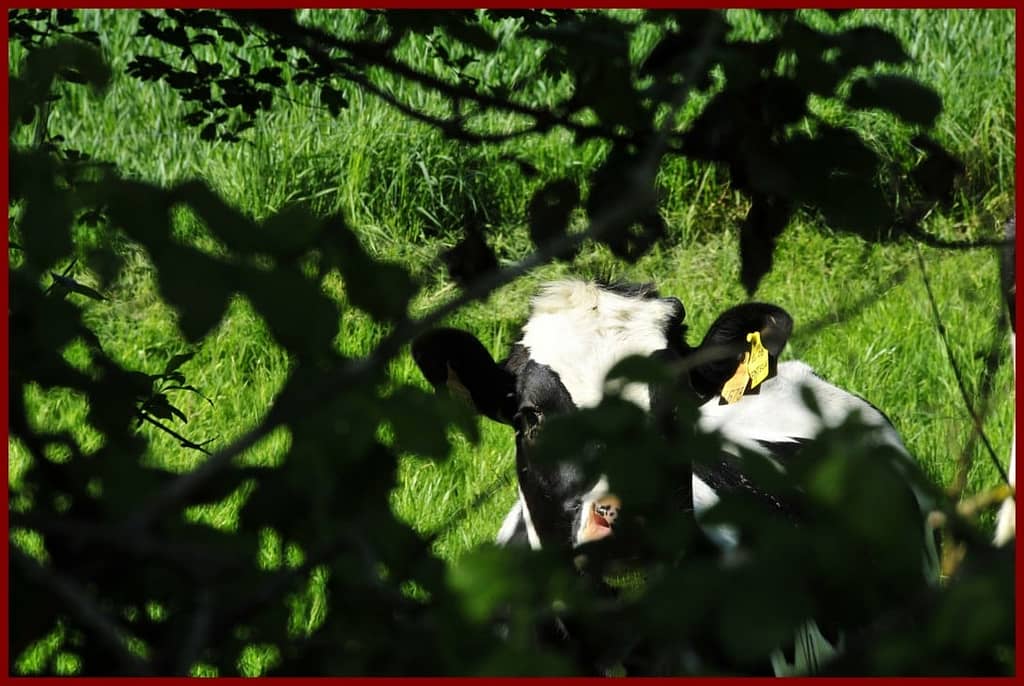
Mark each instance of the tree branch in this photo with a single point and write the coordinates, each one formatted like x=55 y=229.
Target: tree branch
x=185 y=443
x=198 y=560
x=199 y=632
x=84 y=609
x=316 y=42
x=941 y=328
x=935 y=242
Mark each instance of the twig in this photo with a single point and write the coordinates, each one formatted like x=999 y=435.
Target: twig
x=984 y=500
x=185 y=443
x=84 y=609
x=941 y=328
x=199 y=560
x=316 y=42
x=936 y=242
x=451 y=127
x=485 y=494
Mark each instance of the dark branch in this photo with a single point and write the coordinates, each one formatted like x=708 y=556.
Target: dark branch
x=936 y=242
x=84 y=609
x=185 y=443
x=979 y=429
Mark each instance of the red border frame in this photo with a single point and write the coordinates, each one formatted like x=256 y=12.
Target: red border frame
x=429 y=681
x=4 y=407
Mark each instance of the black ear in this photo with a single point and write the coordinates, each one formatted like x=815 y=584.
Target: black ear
x=729 y=334
x=455 y=360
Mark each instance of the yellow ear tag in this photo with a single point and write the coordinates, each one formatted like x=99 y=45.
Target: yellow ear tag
x=734 y=388
x=757 y=364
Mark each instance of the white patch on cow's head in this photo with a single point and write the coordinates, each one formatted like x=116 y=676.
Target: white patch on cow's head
x=581 y=330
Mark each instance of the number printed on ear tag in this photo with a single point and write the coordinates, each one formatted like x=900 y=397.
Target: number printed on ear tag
x=757 y=365
x=734 y=388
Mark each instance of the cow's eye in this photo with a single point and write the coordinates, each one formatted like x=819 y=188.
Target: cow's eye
x=527 y=420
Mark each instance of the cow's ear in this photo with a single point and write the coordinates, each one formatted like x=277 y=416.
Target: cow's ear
x=730 y=331
x=456 y=361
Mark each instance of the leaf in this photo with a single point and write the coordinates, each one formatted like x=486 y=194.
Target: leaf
x=864 y=46
x=640 y=368
x=300 y=316
x=290 y=232
x=766 y=219
x=227 y=223
x=909 y=100
x=66 y=18
x=177 y=377
x=333 y=99
x=82 y=58
x=139 y=385
x=674 y=53
x=858 y=206
x=68 y=284
x=419 y=423
x=270 y=76
x=527 y=169
x=470 y=258
x=46 y=222
x=467 y=30
x=195 y=118
x=197 y=286
x=159 y=406
x=627 y=236
x=148 y=68
x=936 y=175
x=177 y=361
x=87 y=36
x=193 y=389
x=230 y=35
x=549 y=212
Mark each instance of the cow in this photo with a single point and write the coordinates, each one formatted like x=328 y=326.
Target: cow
x=576 y=332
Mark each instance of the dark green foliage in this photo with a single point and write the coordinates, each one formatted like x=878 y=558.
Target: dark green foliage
x=118 y=535
x=550 y=210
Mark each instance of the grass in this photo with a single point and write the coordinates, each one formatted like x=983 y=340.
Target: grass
x=862 y=316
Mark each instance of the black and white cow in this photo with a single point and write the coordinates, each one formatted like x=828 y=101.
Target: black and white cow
x=576 y=332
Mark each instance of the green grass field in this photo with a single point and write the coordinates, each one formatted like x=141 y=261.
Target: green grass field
x=863 y=320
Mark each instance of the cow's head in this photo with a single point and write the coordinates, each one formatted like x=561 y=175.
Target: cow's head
x=577 y=331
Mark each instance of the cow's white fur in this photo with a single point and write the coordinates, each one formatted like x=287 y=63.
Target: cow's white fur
x=604 y=327
x=779 y=414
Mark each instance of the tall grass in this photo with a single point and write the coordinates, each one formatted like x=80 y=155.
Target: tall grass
x=862 y=317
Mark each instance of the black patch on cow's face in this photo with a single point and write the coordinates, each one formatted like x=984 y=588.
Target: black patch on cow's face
x=551 y=490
